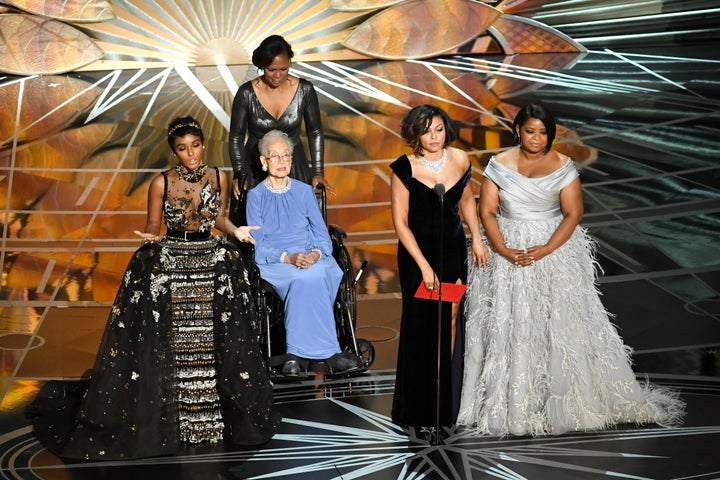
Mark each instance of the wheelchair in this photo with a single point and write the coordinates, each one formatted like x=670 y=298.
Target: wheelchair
x=270 y=312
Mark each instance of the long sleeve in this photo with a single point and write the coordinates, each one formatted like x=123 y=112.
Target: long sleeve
x=314 y=130
x=238 y=131
x=264 y=252
x=320 y=238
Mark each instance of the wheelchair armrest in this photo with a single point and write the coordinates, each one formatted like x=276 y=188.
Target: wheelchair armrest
x=337 y=232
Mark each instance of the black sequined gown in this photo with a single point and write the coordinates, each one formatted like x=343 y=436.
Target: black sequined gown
x=414 y=402
x=179 y=361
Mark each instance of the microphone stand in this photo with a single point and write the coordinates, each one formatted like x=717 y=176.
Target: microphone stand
x=435 y=437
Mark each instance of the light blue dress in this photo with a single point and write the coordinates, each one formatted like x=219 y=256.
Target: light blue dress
x=290 y=223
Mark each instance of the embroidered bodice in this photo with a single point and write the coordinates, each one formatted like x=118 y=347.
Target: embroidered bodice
x=191 y=206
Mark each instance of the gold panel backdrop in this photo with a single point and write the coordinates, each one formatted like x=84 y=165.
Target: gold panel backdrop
x=91 y=85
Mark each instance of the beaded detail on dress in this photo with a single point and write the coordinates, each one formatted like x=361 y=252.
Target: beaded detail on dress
x=278 y=190
x=179 y=211
x=192 y=291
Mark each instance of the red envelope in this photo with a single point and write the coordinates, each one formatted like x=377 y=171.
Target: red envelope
x=451 y=292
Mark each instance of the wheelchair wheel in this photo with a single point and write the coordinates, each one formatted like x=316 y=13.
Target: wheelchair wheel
x=347 y=293
x=366 y=351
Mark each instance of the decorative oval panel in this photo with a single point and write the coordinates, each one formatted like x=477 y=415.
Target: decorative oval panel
x=361 y=5
x=66 y=97
x=37 y=45
x=421 y=28
x=67 y=10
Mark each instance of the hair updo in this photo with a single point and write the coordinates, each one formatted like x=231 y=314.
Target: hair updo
x=270 y=48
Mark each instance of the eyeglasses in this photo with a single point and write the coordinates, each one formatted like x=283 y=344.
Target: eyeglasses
x=275 y=158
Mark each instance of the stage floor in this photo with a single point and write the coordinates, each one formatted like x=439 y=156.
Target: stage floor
x=341 y=428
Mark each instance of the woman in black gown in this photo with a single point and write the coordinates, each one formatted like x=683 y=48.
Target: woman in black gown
x=275 y=100
x=417 y=213
x=179 y=362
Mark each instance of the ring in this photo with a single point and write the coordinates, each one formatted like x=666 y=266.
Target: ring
x=431 y=288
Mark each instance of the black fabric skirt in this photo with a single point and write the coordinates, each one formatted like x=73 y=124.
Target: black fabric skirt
x=179 y=363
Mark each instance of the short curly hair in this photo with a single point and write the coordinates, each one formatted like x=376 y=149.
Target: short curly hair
x=181 y=126
x=417 y=122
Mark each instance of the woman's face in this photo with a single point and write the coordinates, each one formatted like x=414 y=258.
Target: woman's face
x=189 y=150
x=278 y=159
x=433 y=140
x=277 y=72
x=533 y=136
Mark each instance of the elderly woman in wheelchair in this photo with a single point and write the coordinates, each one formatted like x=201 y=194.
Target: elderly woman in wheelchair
x=293 y=252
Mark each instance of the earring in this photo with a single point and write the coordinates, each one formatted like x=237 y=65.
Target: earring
x=264 y=167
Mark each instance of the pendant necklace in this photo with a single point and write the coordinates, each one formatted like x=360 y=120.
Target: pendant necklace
x=437 y=165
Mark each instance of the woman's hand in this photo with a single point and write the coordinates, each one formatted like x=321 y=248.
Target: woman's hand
x=303 y=260
x=480 y=253
x=146 y=237
x=243 y=233
x=430 y=279
x=538 y=251
x=525 y=257
x=318 y=180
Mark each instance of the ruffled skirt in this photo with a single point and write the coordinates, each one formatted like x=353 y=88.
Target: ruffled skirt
x=541 y=354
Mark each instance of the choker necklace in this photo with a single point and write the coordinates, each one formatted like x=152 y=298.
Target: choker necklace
x=277 y=190
x=437 y=165
x=191 y=176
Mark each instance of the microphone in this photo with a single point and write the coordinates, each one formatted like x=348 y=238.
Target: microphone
x=439 y=190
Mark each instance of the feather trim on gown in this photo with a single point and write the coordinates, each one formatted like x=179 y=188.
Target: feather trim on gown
x=541 y=354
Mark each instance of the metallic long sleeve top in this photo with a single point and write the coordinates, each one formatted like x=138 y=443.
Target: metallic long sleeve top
x=250 y=119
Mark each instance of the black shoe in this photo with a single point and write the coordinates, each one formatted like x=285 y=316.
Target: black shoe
x=342 y=362
x=291 y=367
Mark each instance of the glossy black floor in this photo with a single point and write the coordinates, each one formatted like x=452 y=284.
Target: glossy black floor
x=653 y=204
x=340 y=429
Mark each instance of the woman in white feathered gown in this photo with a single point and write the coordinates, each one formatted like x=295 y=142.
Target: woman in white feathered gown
x=542 y=356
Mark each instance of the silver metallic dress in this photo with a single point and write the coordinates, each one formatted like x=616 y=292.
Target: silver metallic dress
x=541 y=355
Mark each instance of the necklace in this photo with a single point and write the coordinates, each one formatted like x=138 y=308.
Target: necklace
x=277 y=190
x=191 y=176
x=437 y=165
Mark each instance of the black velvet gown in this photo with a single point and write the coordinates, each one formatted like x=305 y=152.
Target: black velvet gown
x=179 y=363
x=414 y=403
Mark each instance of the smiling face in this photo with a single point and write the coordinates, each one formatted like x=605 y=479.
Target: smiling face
x=278 y=158
x=277 y=72
x=533 y=136
x=189 y=150
x=433 y=140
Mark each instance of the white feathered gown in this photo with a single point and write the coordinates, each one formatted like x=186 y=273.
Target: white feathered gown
x=541 y=355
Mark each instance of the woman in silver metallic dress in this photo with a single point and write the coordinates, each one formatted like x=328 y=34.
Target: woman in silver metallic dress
x=541 y=355
x=179 y=362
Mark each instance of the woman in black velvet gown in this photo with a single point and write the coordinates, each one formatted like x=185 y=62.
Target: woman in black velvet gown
x=417 y=215
x=275 y=100
x=179 y=362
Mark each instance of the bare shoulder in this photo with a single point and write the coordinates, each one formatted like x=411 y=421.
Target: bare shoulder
x=558 y=159
x=508 y=158
x=458 y=157
x=157 y=185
